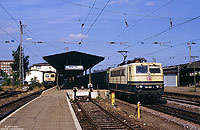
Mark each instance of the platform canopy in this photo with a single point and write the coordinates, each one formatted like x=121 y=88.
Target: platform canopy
x=72 y=63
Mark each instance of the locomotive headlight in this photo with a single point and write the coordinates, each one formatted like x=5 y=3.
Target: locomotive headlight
x=161 y=86
x=157 y=86
x=140 y=86
x=137 y=86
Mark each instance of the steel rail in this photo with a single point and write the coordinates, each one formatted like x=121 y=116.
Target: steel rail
x=128 y=126
x=181 y=100
x=186 y=115
x=90 y=121
x=112 y=124
x=183 y=95
x=9 y=94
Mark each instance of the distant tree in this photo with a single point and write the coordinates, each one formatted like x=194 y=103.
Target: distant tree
x=3 y=74
x=7 y=80
x=15 y=65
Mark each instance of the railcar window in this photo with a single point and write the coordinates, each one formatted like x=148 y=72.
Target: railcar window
x=52 y=76
x=47 y=75
x=141 y=69
x=154 y=70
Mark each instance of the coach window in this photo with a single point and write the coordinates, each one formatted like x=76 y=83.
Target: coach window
x=141 y=69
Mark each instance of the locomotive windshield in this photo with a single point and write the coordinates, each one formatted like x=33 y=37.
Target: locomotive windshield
x=142 y=69
x=154 y=69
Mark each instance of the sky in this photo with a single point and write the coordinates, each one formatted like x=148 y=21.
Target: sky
x=58 y=26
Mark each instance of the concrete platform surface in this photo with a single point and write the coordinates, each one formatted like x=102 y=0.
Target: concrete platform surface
x=183 y=90
x=50 y=111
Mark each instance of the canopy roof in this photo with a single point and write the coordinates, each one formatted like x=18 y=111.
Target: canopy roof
x=59 y=61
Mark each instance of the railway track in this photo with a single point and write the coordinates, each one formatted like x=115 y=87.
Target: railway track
x=9 y=94
x=100 y=119
x=8 y=108
x=181 y=100
x=188 y=97
x=183 y=114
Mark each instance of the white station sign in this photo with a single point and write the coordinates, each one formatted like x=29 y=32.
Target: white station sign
x=73 y=67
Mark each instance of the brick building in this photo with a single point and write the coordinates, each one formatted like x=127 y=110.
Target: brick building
x=5 y=65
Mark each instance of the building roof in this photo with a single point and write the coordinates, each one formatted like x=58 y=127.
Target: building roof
x=59 y=61
x=6 y=60
x=187 y=66
x=42 y=64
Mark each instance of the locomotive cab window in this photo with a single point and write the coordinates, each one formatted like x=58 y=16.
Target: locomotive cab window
x=141 y=69
x=52 y=76
x=154 y=69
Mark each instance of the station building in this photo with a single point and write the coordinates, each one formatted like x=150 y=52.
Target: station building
x=182 y=74
x=37 y=70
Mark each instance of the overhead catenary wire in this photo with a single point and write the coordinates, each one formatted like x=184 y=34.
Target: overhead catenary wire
x=138 y=21
x=9 y=14
x=94 y=21
x=32 y=52
x=24 y=28
x=171 y=47
x=8 y=34
x=88 y=13
x=117 y=12
x=162 y=32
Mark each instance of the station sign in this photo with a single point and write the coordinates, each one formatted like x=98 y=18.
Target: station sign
x=73 y=67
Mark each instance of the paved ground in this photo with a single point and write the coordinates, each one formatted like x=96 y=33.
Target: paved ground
x=51 y=111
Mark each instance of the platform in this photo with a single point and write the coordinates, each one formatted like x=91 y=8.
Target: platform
x=183 y=90
x=50 y=111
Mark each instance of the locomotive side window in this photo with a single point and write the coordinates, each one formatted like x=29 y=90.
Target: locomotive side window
x=141 y=69
x=118 y=73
